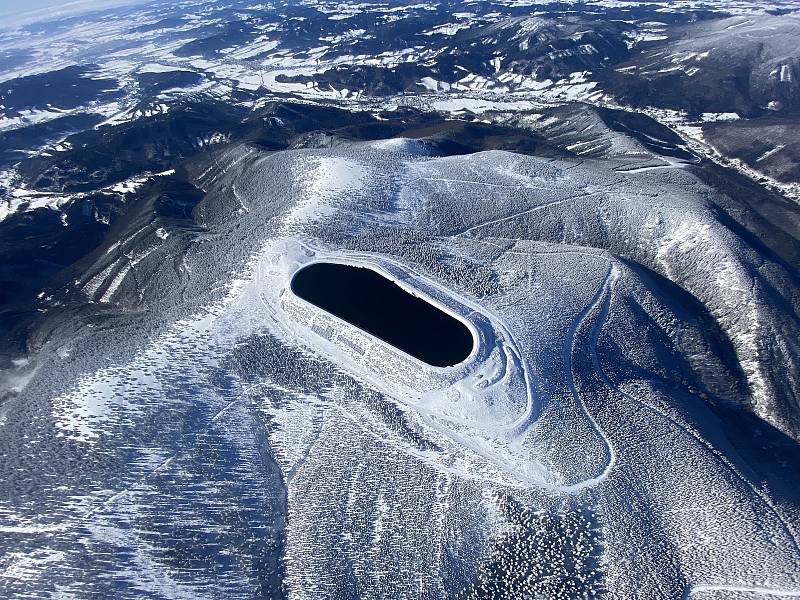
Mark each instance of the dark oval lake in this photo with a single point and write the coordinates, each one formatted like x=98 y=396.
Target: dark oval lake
x=371 y=302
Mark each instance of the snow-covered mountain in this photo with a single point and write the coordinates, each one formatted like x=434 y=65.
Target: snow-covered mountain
x=604 y=194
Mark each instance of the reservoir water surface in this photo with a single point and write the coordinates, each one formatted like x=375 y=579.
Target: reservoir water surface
x=365 y=298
